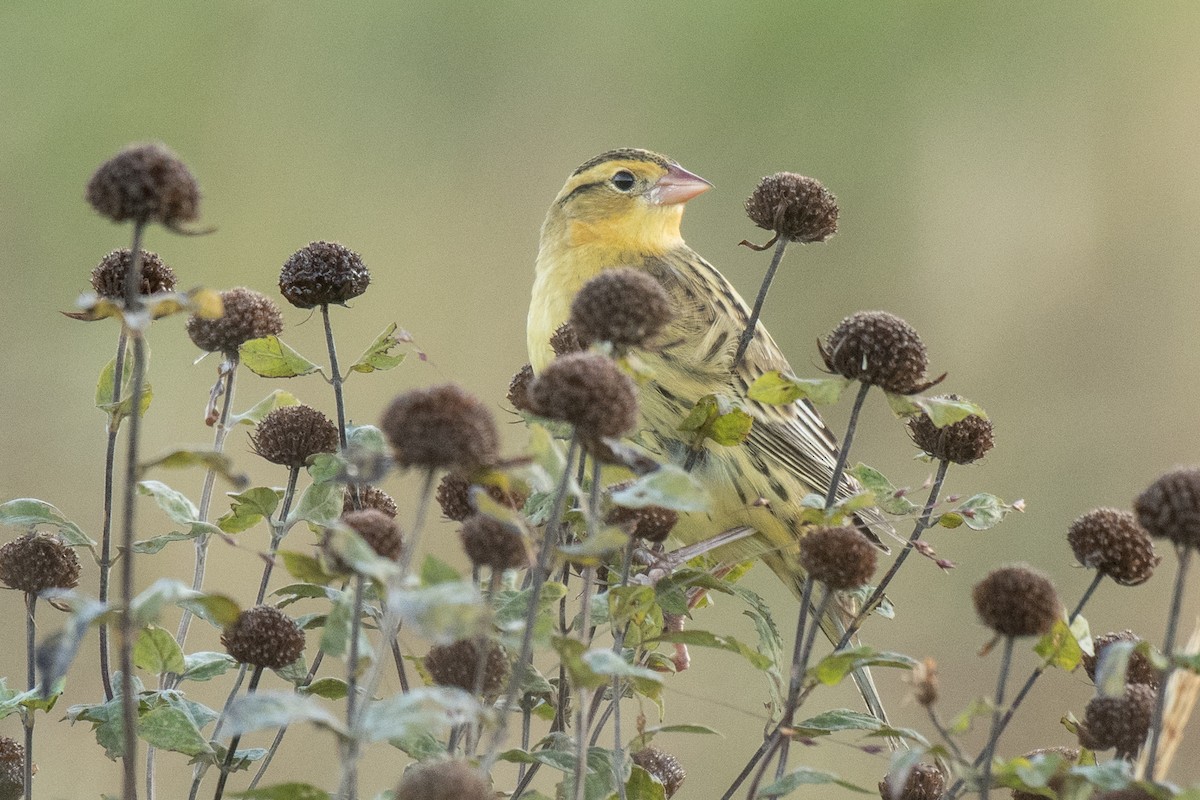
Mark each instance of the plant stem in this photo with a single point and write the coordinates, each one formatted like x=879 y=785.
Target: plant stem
x=266 y=762
x=278 y=531
x=336 y=377
x=997 y=715
x=748 y=334
x=201 y=769
x=237 y=738
x=844 y=452
x=352 y=656
x=1184 y=552
x=27 y=718
x=110 y=459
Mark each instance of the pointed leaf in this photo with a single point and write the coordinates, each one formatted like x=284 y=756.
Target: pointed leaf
x=270 y=358
x=887 y=496
x=668 y=486
x=256 y=413
x=249 y=507
x=775 y=388
x=803 y=777
x=219 y=463
x=265 y=710
x=169 y=728
x=699 y=638
x=832 y=669
x=204 y=666
x=156 y=651
x=28 y=512
x=378 y=355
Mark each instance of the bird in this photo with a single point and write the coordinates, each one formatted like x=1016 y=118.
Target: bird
x=623 y=208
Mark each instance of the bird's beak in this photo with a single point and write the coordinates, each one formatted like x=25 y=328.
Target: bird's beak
x=677 y=186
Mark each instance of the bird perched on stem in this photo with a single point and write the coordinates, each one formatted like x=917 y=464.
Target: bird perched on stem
x=623 y=209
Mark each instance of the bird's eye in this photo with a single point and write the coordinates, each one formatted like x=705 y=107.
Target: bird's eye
x=623 y=180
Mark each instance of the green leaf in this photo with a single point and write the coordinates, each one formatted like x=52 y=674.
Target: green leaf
x=305 y=567
x=644 y=786
x=945 y=411
x=285 y=791
x=1059 y=647
x=630 y=603
x=123 y=408
x=887 y=496
x=321 y=505
x=256 y=413
x=775 y=388
x=982 y=512
x=270 y=358
x=378 y=355
x=718 y=418
x=249 y=507
x=1111 y=668
x=832 y=669
x=699 y=638
x=218 y=610
x=803 y=777
x=431 y=709
x=839 y=719
x=336 y=636
x=668 y=486
x=325 y=467
x=951 y=520
x=205 y=665
x=57 y=652
x=106 y=724
x=148 y=606
x=209 y=460
x=105 y=383
x=28 y=512
x=512 y=604
x=434 y=570
x=157 y=543
x=644 y=738
x=171 y=728
x=592 y=550
x=265 y=710
x=444 y=612
x=329 y=688
x=156 y=651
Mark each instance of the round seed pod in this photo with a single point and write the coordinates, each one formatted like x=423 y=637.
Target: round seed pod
x=962 y=442
x=440 y=427
x=564 y=341
x=376 y=528
x=369 y=497
x=924 y=782
x=443 y=780
x=488 y=542
x=652 y=523
x=12 y=769
x=292 y=435
x=36 y=562
x=1069 y=755
x=518 y=389
x=455 y=664
x=323 y=273
x=248 y=315
x=665 y=768
x=588 y=391
x=622 y=306
x=799 y=209
x=1120 y=722
x=1138 y=670
x=263 y=636
x=925 y=683
x=108 y=277
x=878 y=348
x=1112 y=542
x=839 y=557
x=1170 y=507
x=1017 y=601
x=454 y=496
x=147 y=183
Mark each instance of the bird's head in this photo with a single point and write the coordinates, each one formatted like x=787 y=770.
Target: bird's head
x=624 y=199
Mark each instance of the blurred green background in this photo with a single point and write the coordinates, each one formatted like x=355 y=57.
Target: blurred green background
x=1020 y=182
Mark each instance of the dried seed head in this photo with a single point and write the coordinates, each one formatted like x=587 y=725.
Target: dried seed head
x=1170 y=507
x=1120 y=722
x=925 y=682
x=564 y=341
x=454 y=496
x=488 y=542
x=248 y=315
x=108 y=278
x=518 y=389
x=376 y=528
x=323 y=273
x=455 y=665
x=961 y=442
x=443 y=780
x=1069 y=755
x=588 y=391
x=799 y=209
x=37 y=562
x=1112 y=542
x=924 y=782
x=1128 y=793
x=146 y=183
x=369 y=497
x=1138 y=670
x=622 y=306
x=263 y=636
x=663 y=766
x=652 y=523
x=442 y=426
x=1017 y=601
x=12 y=769
x=291 y=435
x=878 y=348
x=841 y=557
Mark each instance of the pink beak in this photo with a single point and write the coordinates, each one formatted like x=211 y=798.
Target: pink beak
x=677 y=186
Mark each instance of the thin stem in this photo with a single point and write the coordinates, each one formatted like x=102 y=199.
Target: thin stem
x=274 y=748
x=945 y=734
x=840 y=467
x=110 y=459
x=997 y=715
x=237 y=738
x=278 y=530
x=336 y=377
x=581 y=712
x=202 y=769
x=1185 y=555
x=30 y=684
x=748 y=334
x=398 y=657
x=352 y=658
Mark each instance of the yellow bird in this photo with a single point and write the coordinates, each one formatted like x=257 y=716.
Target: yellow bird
x=623 y=209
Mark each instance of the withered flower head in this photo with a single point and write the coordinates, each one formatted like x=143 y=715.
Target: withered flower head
x=798 y=208
x=323 y=273
x=12 y=769
x=263 y=636
x=443 y=780
x=248 y=315
x=839 y=557
x=1120 y=722
x=291 y=435
x=455 y=665
x=1170 y=507
x=488 y=542
x=962 y=442
x=924 y=782
x=1112 y=542
x=518 y=389
x=1069 y=755
x=564 y=341
x=1137 y=670
x=440 y=427
x=624 y=306
x=878 y=348
x=663 y=766
x=146 y=183
x=1017 y=601
x=108 y=278
x=588 y=391
x=36 y=562
x=377 y=529
x=369 y=497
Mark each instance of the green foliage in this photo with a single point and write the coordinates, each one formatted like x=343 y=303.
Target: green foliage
x=775 y=388
x=30 y=513
x=218 y=463
x=669 y=487
x=835 y=667
x=284 y=791
x=805 y=777
x=942 y=411
x=248 y=508
x=884 y=494
x=1060 y=647
x=718 y=419
x=270 y=358
x=378 y=356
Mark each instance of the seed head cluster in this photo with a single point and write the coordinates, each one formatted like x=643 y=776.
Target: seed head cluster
x=1016 y=601
x=12 y=769
x=924 y=782
x=1170 y=507
x=443 y=780
x=564 y=340
x=376 y=528
x=323 y=273
x=1112 y=542
x=799 y=209
x=488 y=542
x=1137 y=670
x=455 y=665
x=878 y=348
x=1069 y=756
x=369 y=497
x=145 y=183
x=1120 y=722
x=440 y=427
x=291 y=435
x=263 y=636
x=588 y=391
x=36 y=562
x=962 y=442
x=518 y=389
x=623 y=306
x=248 y=315
x=652 y=523
x=108 y=277
x=663 y=766
x=839 y=557
x=454 y=496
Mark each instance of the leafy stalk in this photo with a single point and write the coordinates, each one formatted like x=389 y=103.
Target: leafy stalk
x=30 y=683
x=236 y=740
x=997 y=715
x=110 y=460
